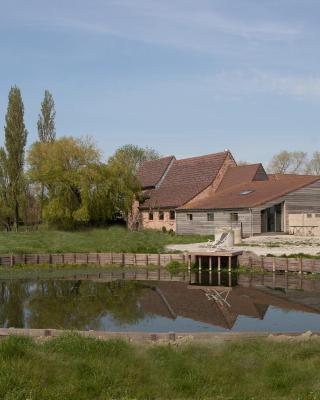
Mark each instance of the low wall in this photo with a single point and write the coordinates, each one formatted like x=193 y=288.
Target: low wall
x=280 y=264
x=126 y=259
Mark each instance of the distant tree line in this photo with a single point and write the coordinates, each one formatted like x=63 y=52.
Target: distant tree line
x=62 y=181
x=293 y=162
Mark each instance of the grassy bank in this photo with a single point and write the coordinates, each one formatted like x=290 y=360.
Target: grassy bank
x=77 y=368
x=115 y=239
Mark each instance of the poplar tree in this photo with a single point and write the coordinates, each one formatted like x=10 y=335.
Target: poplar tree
x=46 y=121
x=15 y=142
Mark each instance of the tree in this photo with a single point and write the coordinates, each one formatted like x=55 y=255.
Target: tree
x=12 y=156
x=46 y=121
x=66 y=169
x=288 y=162
x=133 y=156
x=314 y=164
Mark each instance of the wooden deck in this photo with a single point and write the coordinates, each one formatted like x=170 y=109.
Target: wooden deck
x=214 y=259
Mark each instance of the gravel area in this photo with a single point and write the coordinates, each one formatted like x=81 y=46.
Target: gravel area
x=263 y=245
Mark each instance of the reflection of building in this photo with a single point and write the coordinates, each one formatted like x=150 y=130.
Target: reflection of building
x=219 y=306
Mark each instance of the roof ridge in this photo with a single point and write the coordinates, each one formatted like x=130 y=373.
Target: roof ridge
x=203 y=156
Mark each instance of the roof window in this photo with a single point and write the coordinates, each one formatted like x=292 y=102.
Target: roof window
x=246 y=192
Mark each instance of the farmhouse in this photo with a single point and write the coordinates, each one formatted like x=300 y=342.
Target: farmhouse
x=204 y=194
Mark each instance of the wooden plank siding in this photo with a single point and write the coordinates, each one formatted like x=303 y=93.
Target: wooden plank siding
x=302 y=200
x=222 y=219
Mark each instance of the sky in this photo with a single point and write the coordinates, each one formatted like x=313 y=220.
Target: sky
x=184 y=77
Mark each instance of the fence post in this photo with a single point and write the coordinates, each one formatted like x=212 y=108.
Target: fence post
x=274 y=264
x=262 y=262
x=123 y=259
x=300 y=266
x=287 y=265
x=11 y=260
x=159 y=260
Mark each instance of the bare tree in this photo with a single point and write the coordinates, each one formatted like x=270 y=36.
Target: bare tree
x=288 y=162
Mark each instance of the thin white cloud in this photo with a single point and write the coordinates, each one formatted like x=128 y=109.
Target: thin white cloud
x=239 y=83
x=179 y=23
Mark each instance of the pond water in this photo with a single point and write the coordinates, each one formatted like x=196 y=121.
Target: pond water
x=158 y=302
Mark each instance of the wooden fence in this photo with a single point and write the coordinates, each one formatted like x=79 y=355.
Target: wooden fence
x=126 y=259
x=271 y=264
x=280 y=264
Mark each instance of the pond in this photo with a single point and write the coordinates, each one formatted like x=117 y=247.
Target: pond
x=155 y=301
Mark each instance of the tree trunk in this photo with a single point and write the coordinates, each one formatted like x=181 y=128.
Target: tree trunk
x=16 y=216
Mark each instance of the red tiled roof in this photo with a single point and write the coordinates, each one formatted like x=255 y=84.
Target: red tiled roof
x=152 y=171
x=262 y=192
x=242 y=173
x=185 y=179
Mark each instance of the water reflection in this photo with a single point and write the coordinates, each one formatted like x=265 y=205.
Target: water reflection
x=157 y=301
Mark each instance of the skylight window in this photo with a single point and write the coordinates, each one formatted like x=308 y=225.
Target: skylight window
x=246 y=192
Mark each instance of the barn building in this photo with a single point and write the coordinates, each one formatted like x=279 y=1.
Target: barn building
x=201 y=195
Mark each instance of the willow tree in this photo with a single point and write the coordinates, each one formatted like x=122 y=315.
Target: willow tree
x=15 y=142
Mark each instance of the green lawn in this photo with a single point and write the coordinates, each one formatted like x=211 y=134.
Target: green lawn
x=76 y=368
x=115 y=239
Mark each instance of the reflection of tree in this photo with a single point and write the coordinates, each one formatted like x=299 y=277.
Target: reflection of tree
x=12 y=297
x=81 y=304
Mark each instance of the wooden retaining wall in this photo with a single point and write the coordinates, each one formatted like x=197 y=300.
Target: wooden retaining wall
x=125 y=259
x=280 y=264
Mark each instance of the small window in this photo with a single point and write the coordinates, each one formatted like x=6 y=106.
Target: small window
x=246 y=192
x=172 y=214
x=309 y=215
x=189 y=217
x=161 y=215
x=210 y=216
x=234 y=217
x=150 y=216
x=317 y=215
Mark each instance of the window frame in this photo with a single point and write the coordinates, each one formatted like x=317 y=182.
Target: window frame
x=161 y=215
x=234 y=217
x=189 y=217
x=151 y=216
x=210 y=217
x=172 y=212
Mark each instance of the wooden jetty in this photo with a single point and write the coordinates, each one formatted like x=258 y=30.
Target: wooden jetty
x=214 y=259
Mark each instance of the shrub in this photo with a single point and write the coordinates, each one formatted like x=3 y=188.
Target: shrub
x=164 y=229
x=176 y=266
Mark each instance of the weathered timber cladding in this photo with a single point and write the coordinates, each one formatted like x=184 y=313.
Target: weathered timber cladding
x=222 y=219
x=303 y=200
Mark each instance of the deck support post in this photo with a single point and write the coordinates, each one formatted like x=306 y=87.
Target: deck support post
x=200 y=263
x=210 y=264
x=210 y=277
x=229 y=263
x=230 y=279
x=219 y=263
x=189 y=262
x=219 y=278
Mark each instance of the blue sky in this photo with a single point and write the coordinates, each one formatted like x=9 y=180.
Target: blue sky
x=183 y=76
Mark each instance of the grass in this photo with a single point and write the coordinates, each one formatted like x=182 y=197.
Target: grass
x=72 y=367
x=114 y=239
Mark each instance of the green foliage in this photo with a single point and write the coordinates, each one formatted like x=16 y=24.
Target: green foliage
x=132 y=157
x=115 y=369
x=79 y=188
x=176 y=266
x=46 y=121
x=12 y=159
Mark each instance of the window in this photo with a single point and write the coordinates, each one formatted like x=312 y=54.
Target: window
x=246 y=192
x=150 y=216
x=309 y=215
x=172 y=214
x=210 y=216
x=189 y=217
x=317 y=215
x=161 y=215
x=234 y=217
